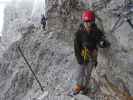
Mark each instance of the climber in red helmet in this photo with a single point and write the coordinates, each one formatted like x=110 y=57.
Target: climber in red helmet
x=86 y=42
x=88 y=16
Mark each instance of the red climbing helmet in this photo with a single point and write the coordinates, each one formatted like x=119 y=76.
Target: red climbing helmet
x=88 y=16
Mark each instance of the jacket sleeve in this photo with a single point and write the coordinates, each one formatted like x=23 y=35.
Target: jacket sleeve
x=102 y=41
x=77 y=48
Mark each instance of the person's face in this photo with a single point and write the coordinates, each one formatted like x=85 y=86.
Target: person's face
x=88 y=25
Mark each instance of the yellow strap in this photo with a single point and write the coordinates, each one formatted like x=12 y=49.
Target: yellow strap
x=85 y=54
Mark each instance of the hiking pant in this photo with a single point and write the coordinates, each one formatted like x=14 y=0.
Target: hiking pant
x=43 y=26
x=83 y=72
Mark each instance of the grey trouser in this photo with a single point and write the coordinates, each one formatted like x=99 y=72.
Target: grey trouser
x=83 y=74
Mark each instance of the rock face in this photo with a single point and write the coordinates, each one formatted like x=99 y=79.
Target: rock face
x=117 y=61
x=50 y=53
x=65 y=16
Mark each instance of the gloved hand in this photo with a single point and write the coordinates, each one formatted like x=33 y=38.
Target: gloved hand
x=104 y=44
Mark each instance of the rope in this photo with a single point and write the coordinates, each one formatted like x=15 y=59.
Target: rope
x=30 y=69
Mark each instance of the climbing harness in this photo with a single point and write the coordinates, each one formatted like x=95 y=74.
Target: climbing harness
x=85 y=54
